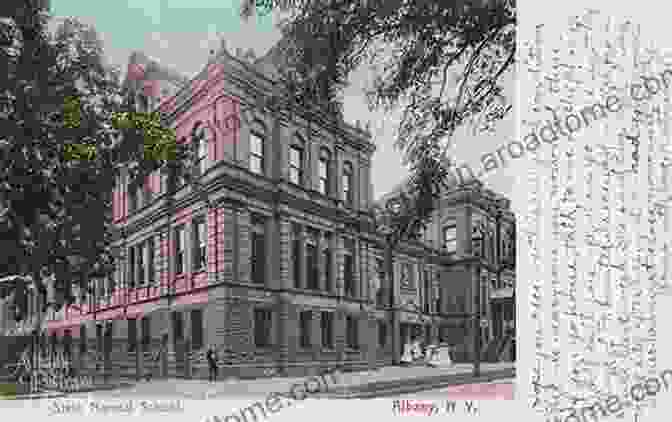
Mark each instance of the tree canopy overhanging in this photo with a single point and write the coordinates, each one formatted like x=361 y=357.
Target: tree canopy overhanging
x=55 y=92
x=442 y=63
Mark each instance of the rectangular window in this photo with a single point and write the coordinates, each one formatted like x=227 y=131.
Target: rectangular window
x=140 y=252
x=163 y=181
x=67 y=343
x=146 y=333
x=179 y=249
x=351 y=333
x=196 y=329
x=132 y=334
x=327 y=329
x=132 y=268
x=382 y=276
x=178 y=326
x=312 y=269
x=262 y=327
x=99 y=337
x=132 y=198
x=324 y=172
x=83 y=339
x=450 y=237
x=305 y=319
x=349 y=268
x=258 y=253
x=202 y=138
x=492 y=242
x=382 y=333
x=296 y=165
x=348 y=183
x=256 y=153
x=296 y=255
x=199 y=245
x=203 y=156
x=427 y=292
x=406 y=278
x=100 y=287
x=326 y=252
x=151 y=271
x=111 y=285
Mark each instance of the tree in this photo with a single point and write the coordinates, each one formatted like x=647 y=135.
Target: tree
x=55 y=210
x=424 y=44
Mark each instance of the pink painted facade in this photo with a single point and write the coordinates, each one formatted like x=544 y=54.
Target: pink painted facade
x=287 y=283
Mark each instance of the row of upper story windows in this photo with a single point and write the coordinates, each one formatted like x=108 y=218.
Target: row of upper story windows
x=298 y=169
x=484 y=241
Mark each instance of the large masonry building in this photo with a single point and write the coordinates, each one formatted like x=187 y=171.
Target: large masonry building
x=275 y=258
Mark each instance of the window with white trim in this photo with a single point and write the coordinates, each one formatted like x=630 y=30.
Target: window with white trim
x=324 y=172
x=179 y=249
x=256 y=153
x=296 y=164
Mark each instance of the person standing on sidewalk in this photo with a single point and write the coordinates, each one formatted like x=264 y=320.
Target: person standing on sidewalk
x=211 y=356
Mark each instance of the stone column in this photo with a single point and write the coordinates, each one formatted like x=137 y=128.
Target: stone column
x=473 y=270
x=370 y=339
x=168 y=265
x=331 y=283
x=338 y=265
x=272 y=243
x=244 y=249
x=302 y=257
x=138 y=349
x=229 y=243
x=315 y=336
x=338 y=173
x=186 y=318
x=285 y=345
x=321 y=246
x=283 y=299
x=339 y=334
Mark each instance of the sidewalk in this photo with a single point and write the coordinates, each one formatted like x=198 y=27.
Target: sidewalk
x=393 y=381
x=347 y=385
x=35 y=396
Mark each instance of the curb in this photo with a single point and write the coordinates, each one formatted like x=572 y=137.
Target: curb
x=38 y=396
x=104 y=387
x=407 y=386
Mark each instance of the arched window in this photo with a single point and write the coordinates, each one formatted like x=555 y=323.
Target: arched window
x=257 y=152
x=324 y=171
x=202 y=136
x=296 y=157
x=348 y=183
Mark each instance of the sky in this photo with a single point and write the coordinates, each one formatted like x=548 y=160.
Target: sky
x=180 y=34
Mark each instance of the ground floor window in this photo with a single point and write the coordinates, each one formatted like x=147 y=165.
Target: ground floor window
x=382 y=333
x=262 y=327
x=352 y=333
x=327 y=328
x=132 y=335
x=305 y=319
x=196 y=329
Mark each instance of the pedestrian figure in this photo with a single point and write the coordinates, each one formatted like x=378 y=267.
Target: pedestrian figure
x=211 y=356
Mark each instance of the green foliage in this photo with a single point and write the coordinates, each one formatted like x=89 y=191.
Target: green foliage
x=56 y=95
x=441 y=62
